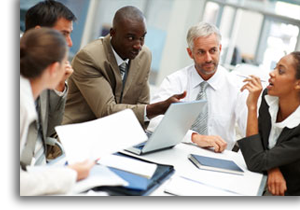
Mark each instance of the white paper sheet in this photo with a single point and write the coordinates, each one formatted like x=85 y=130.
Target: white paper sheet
x=182 y=186
x=97 y=138
x=99 y=176
x=130 y=165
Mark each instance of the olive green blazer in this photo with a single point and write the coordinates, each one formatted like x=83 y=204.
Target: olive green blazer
x=96 y=84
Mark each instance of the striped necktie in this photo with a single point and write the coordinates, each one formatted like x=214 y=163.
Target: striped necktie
x=200 y=125
x=123 y=69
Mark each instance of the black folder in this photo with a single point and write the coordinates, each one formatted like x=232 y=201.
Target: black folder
x=138 y=185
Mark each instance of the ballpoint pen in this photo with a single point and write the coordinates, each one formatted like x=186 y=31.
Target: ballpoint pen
x=247 y=76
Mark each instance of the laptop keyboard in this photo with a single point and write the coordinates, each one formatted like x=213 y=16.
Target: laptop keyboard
x=148 y=133
x=140 y=146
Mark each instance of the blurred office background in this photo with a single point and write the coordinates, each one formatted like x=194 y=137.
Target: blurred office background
x=256 y=33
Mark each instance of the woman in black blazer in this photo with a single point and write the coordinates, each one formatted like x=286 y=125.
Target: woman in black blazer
x=272 y=143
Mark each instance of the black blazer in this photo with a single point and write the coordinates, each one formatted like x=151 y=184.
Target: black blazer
x=285 y=154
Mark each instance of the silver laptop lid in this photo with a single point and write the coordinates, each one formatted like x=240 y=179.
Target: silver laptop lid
x=177 y=121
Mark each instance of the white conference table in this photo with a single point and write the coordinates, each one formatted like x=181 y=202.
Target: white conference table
x=189 y=180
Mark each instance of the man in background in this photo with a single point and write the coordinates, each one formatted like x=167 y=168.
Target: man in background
x=51 y=103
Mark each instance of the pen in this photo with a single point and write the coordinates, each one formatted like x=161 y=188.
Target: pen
x=247 y=76
x=96 y=161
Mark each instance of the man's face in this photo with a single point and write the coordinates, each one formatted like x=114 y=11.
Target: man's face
x=65 y=27
x=128 y=38
x=206 y=55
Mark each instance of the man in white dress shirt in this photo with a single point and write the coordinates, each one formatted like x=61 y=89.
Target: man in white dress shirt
x=226 y=104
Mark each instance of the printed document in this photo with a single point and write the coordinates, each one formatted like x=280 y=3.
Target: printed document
x=98 y=138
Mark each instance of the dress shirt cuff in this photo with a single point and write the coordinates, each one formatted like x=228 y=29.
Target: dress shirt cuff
x=188 y=137
x=59 y=93
x=146 y=119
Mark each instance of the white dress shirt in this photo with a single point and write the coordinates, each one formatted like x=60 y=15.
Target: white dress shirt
x=64 y=92
x=226 y=104
x=39 y=180
x=290 y=122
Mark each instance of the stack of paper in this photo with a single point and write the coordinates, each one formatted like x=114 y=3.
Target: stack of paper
x=129 y=164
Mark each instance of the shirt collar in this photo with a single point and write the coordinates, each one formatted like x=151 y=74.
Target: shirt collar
x=290 y=122
x=214 y=81
x=118 y=58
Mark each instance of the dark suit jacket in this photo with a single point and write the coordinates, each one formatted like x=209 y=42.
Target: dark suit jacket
x=96 y=84
x=285 y=154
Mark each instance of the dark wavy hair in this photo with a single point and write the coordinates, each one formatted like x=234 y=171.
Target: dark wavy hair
x=46 y=13
x=38 y=49
x=296 y=55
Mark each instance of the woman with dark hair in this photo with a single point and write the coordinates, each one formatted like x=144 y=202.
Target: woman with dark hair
x=43 y=56
x=272 y=143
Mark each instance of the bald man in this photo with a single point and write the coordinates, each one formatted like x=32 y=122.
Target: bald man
x=111 y=74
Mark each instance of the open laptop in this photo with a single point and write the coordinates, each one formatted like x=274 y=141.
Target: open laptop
x=177 y=121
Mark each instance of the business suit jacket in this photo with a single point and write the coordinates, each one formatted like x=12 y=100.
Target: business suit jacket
x=51 y=113
x=285 y=154
x=95 y=86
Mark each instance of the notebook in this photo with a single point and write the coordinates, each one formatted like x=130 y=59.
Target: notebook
x=215 y=164
x=177 y=121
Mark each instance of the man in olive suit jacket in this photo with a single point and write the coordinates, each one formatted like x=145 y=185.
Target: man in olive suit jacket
x=98 y=87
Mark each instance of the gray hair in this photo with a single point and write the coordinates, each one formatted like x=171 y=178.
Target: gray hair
x=202 y=29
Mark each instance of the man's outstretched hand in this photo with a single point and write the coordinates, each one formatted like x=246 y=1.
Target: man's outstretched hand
x=159 y=108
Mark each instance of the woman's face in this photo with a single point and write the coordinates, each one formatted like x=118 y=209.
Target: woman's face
x=283 y=80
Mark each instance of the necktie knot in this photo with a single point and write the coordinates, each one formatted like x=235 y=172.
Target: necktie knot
x=202 y=93
x=203 y=86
